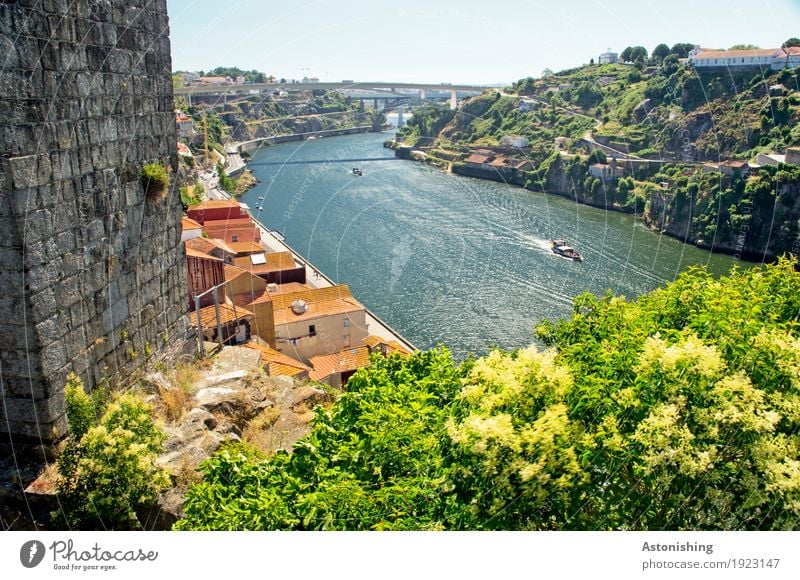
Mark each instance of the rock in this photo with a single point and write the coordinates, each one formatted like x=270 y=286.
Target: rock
x=642 y=109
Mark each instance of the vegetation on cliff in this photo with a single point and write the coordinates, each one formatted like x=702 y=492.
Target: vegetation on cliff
x=679 y=410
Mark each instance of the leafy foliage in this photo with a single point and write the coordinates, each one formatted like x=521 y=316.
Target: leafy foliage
x=107 y=471
x=677 y=411
x=154 y=179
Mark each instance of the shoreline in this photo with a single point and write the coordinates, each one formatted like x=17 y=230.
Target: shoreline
x=314 y=275
x=476 y=173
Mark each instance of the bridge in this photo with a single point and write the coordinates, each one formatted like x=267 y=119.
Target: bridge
x=423 y=88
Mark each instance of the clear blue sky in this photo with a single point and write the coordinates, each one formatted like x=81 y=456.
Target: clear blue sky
x=487 y=41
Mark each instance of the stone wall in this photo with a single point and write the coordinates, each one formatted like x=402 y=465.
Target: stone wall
x=92 y=269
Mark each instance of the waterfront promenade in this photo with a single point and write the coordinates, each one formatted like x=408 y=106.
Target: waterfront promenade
x=314 y=277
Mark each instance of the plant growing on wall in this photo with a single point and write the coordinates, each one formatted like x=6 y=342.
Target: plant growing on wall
x=155 y=180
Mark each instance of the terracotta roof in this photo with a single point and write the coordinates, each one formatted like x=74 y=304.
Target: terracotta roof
x=246 y=247
x=345 y=360
x=249 y=298
x=190 y=224
x=232 y=272
x=289 y=287
x=277 y=363
x=507 y=162
x=208 y=244
x=202 y=255
x=182 y=119
x=183 y=149
x=478 y=159
x=320 y=302
x=226 y=314
x=275 y=262
x=215 y=204
x=735 y=53
x=734 y=163
x=392 y=346
x=792 y=51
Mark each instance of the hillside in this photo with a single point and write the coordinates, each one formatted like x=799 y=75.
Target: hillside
x=675 y=411
x=667 y=126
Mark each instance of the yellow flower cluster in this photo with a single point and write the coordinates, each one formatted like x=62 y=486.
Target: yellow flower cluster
x=689 y=353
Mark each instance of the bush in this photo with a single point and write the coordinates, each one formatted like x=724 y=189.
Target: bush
x=155 y=180
x=107 y=470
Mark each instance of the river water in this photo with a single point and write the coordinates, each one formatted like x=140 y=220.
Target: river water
x=449 y=259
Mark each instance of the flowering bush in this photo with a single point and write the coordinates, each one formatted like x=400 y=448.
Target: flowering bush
x=107 y=471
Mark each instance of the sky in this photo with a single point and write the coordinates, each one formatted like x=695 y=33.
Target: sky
x=454 y=41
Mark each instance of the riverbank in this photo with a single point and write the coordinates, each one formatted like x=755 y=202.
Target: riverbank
x=316 y=278
x=559 y=178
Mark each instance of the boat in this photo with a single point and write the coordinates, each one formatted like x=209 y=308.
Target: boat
x=260 y=198
x=561 y=248
x=357 y=171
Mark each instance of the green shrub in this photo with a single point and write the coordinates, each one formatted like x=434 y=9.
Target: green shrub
x=155 y=180
x=107 y=470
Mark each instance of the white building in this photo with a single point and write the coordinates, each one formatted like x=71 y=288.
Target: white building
x=608 y=57
x=760 y=58
x=514 y=141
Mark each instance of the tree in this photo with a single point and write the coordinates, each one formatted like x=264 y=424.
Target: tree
x=682 y=49
x=669 y=65
x=638 y=53
x=625 y=55
x=794 y=41
x=591 y=61
x=547 y=73
x=744 y=47
x=675 y=411
x=660 y=52
x=597 y=156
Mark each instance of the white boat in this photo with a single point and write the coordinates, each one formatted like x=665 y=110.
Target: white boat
x=561 y=248
x=357 y=171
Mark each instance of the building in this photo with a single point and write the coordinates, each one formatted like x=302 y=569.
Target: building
x=190 y=229
x=233 y=321
x=731 y=168
x=275 y=268
x=213 y=81
x=318 y=321
x=252 y=293
x=773 y=159
x=184 y=151
x=759 y=58
x=479 y=159
x=246 y=248
x=385 y=347
x=204 y=272
x=792 y=155
x=526 y=105
x=217 y=209
x=608 y=57
x=212 y=247
x=606 y=171
x=336 y=369
x=277 y=364
x=517 y=141
x=503 y=164
x=233 y=230
x=185 y=125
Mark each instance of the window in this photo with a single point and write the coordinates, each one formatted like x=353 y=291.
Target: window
x=346 y=340
x=346 y=322
x=312 y=330
x=234 y=238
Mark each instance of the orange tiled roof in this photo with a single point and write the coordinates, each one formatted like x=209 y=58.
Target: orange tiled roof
x=275 y=262
x=189 y=224
x=249 y=298
x=226 y=314
x=208 y=244
x=289 y=287
x=215 y=204
x=246 y=247
x=339 y=362
x=277 y=363
x=202 y=255
x=320 y=302
x=735 y=53
x=478 y=159
x=393 y=346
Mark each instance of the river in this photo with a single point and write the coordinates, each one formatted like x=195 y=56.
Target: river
x=450 y=259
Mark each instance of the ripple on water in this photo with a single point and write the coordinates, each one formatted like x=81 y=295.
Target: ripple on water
x=444 y=258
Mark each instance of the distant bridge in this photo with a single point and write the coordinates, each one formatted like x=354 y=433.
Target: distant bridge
x=423 y=88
